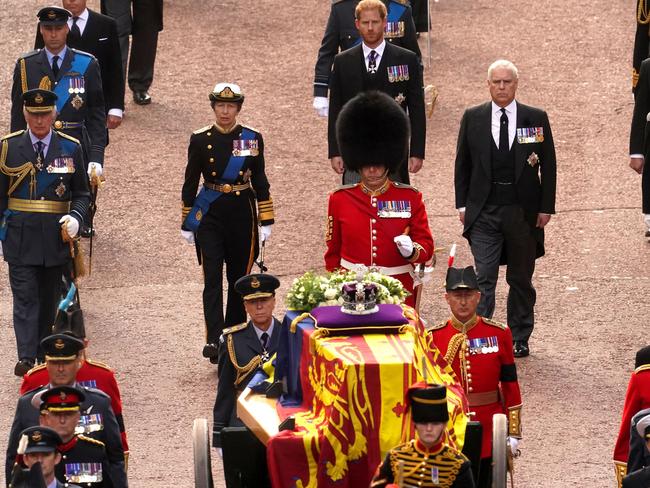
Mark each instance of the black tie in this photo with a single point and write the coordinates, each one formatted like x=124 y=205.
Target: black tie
x=74 y=30
x=503 y=132
x=372 y=62
x=265 y=339
x=55 y=66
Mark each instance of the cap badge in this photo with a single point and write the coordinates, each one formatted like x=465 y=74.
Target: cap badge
x=38 y=98
x=63 y=396
x=36 y=436
x=51 y=15
x=227 y=93
x=59 y=344
x=255 y=283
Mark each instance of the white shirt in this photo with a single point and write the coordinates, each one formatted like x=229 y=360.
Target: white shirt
x=53 y=484
x=379 y=50
x=259 y=333
x=511 y=112
x=81 y=21
x=46 y=141
x=61 y=55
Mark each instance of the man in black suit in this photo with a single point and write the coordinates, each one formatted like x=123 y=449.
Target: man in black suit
x=245 y=348
x=639 y=147
x=96 y=34
x=505 y=194
x=377 y=65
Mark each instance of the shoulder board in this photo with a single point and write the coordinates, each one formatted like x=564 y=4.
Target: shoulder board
x=66 y=136
x=235 y=328
x=36 y=368
x=90 y=440
x=437 y=326
x=346 y=187
x=334 y=2
x=82 y=53
x=30 y=53
x=643 y=367
x=13 y=134
x=95 y=391
x=99 y=364
x=202 y=129
x=244 y=126
x=403 y=2
x=404 y=185
x=500 y=325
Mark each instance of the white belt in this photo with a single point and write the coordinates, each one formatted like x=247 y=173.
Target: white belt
x=385 y=270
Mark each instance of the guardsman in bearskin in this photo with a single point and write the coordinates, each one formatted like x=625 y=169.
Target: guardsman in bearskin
x=637 y=398
x=43 y=198
x=641 y=40
x=83 y=459
x=92 y=374
x=426 y=461
x=245 y=348
x=480 y=352
x=233 y=202
x=62 y=361
x=376 y=223
x=341 y=34
x=75 y=77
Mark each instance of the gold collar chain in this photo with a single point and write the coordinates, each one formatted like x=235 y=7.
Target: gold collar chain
x=373 y=193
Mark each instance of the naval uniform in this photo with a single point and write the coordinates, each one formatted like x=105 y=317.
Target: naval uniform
x=80 y=104
x=84 y=462
x=361 y=226
x=438 y=466
x=232 y=166
x=34 y=194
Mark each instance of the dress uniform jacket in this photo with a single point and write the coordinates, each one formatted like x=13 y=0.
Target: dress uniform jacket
x=84 y=462
x=361 y=226
x=639 y=141
x=33 y=238
x=100 y=39
x=92 y=374
x=350 y=77
x=99 y=422
x=80 y=114
x=341 y=34
x=240 y=356
x=481 y=356
x=228 y=230
x=440 y=466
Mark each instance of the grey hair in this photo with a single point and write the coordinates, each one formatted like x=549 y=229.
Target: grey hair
x=503 y=63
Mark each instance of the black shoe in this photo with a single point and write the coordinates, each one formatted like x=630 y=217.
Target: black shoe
x=520 y=349
x=86 y=231
x=647 y=233
x=211 y=351
x=141 y=97
x=23 y=366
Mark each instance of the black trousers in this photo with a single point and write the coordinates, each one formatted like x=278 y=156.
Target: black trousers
x=485 y=473
x=36 y=291
x=144 y=42
x=227 y=235
x=504 y=228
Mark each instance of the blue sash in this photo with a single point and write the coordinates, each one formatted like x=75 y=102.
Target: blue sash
x=206 y=196
x=395 y=12
x=79 y=65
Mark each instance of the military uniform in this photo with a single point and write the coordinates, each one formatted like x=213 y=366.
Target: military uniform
x=84 y=462
x=361 y=225
x=234 y=199
x=36 y=190
x=639 y=456
x=341 y=34
x=641 y=40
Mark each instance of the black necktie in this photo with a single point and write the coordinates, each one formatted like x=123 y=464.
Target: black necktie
x=55 y=66
x=74 y=30
x=372 y=62
x=504 y=145
x=265 y=339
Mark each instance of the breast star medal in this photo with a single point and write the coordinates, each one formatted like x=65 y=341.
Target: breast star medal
x=77 y=102
x=60 y=190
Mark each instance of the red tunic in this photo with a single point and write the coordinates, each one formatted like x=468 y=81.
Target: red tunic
x=92 y=374
x=362 y=224
x=489 y=367
x=637 y=398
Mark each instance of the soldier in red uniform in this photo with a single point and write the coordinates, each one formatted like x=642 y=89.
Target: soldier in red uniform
x=376 y=223
x=637 y=398
x=480 y=352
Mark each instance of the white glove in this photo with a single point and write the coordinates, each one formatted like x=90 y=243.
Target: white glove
x=99 y=170
x=265 y=232
x=404 y=245
x=514 y=446
x=321 y=104
x=71 y=225
x=188 y=235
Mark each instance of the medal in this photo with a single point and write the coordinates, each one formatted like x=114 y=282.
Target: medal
x=77 y=102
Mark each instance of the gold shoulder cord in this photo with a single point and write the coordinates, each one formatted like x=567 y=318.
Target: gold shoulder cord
x=642 y=12
x=23 y=74
x=458 y=345
x=242 y=371
x=19 y=172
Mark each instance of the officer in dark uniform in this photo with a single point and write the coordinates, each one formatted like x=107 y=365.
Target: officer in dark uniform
x=427 y=461
x=223 y=216
x=639 y=456
x=245 y=348
x=341 y=34
x=43 y=189
x=74 y=76
x=420 y=10
x=84 y=459
x=63 y=360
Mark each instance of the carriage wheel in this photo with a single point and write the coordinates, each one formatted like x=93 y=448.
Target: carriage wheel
x=201 y=449
x=499 y=451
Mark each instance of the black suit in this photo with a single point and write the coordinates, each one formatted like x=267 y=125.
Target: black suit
x=350 y=77
x=639 y=140
x=100 y=39
x=519 y=241
x=247 y=347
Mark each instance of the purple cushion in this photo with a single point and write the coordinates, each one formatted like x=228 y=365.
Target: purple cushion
x=388 y=320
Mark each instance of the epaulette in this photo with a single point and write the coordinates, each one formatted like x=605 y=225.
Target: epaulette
x=346 y=187
x=250 y=128
x=91 y=440
x=334 y=2
x=36 y=368
x=404 y=185
x=402 y=2
x=95 y=391
x=437 y=326
x=83 y=53
x=13 y=134
x=500 y=325
x=202 y=129
x=643 y=367
x=66 y=136
x=30 y=54
x=99 y=364
x=234 y=328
